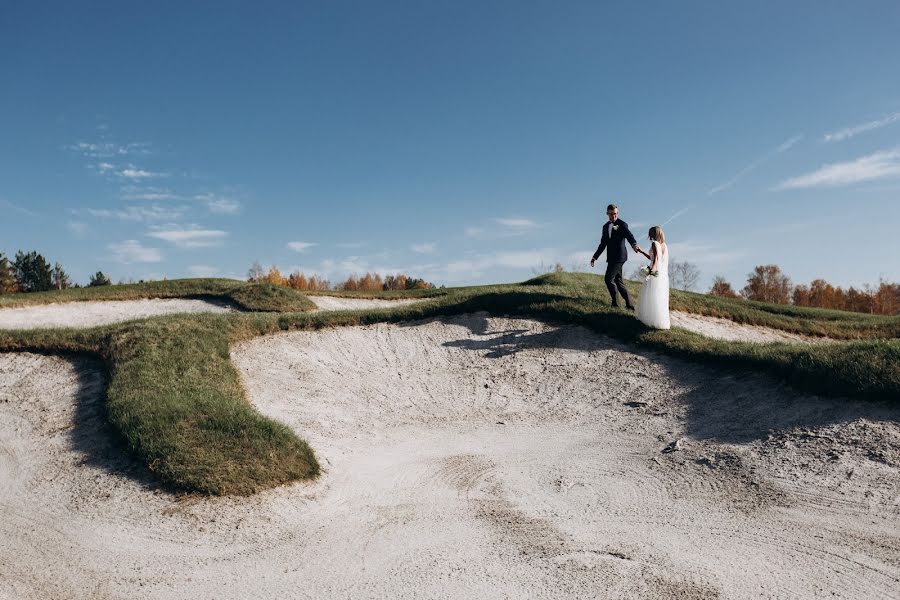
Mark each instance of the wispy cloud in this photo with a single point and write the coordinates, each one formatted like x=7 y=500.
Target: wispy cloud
x=849 y=132
x=502 y=228
x=423 y=248
x=139 y=213
x=17 y=208
x=203 y=271
x=132 y=192
x=109 y=149
x=300 y=246
x=220 y=205
x=193 y=237
x=704 y=253
x=78 y=229
x=879 y=165
x=131 y=251
x=137 y=174
x=784 y=147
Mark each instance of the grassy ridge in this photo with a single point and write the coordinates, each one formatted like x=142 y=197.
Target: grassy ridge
x=249 y=296
x=179 y=403
x=177 y=400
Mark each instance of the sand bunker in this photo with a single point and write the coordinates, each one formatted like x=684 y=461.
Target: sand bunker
x=467 y=457
x=725 y=329
x=92 y=314
x=335 y=303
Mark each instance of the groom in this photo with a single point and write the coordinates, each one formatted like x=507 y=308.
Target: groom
x=615 y=232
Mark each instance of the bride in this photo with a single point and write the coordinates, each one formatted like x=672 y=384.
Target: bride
x=653 y=303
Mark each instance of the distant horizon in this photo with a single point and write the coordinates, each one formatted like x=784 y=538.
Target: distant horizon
x=462 y=143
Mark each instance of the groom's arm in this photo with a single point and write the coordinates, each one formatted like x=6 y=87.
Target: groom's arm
x=603 y=241
x=630 y=237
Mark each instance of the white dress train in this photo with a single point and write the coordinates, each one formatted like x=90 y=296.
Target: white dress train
x=653 y=303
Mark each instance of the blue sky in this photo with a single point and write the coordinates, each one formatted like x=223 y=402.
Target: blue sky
x=464 y=142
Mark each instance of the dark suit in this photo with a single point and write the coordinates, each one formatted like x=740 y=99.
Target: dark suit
x=616 y=255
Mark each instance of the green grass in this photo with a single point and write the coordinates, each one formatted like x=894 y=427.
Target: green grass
x=176 y=399
x=249 y=296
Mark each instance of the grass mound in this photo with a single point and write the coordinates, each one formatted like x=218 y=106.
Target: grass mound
x=250 y=296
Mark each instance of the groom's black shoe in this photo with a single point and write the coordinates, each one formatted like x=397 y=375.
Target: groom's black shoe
x=630 y=307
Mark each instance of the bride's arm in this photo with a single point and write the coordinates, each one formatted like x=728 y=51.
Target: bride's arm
x=653 y=259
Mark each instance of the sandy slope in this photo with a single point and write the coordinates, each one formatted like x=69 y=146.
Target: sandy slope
x=92 y=314
x=335 y=303
x=466 y=457
x=725 y=329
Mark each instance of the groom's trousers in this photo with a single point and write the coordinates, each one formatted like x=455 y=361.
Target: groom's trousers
x=615 y=282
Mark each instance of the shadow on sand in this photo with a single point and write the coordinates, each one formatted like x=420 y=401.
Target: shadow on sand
x=725 y=405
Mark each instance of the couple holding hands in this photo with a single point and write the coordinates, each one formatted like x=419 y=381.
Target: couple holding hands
x=653 y=303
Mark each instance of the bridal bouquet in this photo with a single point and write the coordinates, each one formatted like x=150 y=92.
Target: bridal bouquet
x=647 y=273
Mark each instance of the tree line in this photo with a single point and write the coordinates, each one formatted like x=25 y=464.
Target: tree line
x=767 y=283
x=31 y=272
x=370 y=282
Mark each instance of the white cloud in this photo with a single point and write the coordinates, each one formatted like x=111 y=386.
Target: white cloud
x=77 y=228
x=109 y=149
x=704 y=253
x=139 y=213
x=220 y=204
x=300 y=246
x=189 y=237
x=131 y=251
x=502 y=228
x=849 y=132
x=203 y=271
x=784 y=147
x=879 y=165
x=518 y=224
x=18 y=208
x=136 y=174
x=131 y=192
x=105 y=167
x=423 y=248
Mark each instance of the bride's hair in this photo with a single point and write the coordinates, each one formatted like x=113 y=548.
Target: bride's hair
x=656 y=234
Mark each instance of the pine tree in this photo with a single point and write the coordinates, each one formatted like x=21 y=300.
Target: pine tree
x=33 y=273
x=98 y=279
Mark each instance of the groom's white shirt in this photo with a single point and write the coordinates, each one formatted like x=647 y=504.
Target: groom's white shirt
x=609 y=230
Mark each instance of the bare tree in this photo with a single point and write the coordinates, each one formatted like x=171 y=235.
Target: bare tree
x=767 y=284
x=683 y=275
x=255 y=273
x=60 y=278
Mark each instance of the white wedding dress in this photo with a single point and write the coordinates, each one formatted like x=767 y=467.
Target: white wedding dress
x=653 y=303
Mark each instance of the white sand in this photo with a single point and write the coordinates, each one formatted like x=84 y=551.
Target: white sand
x=336 y=303
x=467 y=457
x=725 y=329
x=92 y=314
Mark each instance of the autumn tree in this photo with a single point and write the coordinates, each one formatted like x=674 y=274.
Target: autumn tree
x=33 y=273
x=683 y=275
x=767 y=284
x=722 y=288
x=7 y=276
x=98 y=279
x=274 y=276
x=395 y=282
